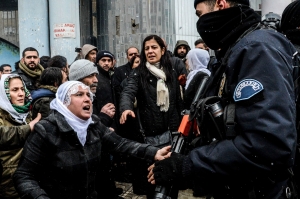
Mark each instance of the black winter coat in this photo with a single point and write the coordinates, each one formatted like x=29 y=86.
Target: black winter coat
x=153 y=120
x=121 y=73
x=178 y=66
x=30 y=82
x=55 y=165
x=259 y=82
x=104 y=91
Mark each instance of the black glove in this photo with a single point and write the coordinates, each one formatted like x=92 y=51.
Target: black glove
x=169 y=171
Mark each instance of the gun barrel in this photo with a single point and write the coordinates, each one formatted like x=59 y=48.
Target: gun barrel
x=200 y=90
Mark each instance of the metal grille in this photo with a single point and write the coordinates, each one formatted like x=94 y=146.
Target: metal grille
x=9 y=26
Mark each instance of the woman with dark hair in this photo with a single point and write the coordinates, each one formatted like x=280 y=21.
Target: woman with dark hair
x=51 y=79
x=154 y=84
x=62 y=158
x=15 y=119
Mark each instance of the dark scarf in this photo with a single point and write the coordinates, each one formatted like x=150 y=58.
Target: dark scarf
x=222 y=28
x=103 y=72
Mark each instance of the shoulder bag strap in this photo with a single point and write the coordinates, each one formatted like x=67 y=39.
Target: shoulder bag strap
x=142 y=131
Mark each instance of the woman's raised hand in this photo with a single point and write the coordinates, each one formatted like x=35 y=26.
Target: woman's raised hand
x=33 y=122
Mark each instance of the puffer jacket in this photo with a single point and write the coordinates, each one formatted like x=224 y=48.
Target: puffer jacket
x=41 y=99
x=10 y=151
x=153 y=120
x=55 y=165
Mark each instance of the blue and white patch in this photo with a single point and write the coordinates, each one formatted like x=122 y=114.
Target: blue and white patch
x=246 y=89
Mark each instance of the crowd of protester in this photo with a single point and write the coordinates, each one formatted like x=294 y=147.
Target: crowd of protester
x=64 y=126
x=110 y=92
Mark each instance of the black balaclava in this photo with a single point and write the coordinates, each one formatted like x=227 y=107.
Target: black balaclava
x=219 y=29
x=290 y=21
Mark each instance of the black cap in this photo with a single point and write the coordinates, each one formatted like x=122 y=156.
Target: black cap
x=104 y=53
x=244 y=2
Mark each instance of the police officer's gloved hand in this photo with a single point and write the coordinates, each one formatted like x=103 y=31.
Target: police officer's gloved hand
x=169 y=170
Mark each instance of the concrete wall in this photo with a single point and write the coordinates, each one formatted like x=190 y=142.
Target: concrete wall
x=33 y=25
x=276 y=6
x=185 y=21
x=255 y=4
x=125 y=23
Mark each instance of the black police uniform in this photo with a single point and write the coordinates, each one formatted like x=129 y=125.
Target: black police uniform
x=255 y=162
x=256 y=76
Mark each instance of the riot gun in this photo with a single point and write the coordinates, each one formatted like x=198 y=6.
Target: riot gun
x=183 y=138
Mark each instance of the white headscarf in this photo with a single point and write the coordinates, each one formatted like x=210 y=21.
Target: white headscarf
x=63 y=100
x=198 y=60
x=5 y=104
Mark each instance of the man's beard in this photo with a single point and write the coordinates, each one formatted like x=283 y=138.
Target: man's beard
x=93 y=87
x=181 y=55
x=27 y=65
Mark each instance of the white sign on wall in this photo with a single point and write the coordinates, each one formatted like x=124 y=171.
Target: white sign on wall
x=64 y=30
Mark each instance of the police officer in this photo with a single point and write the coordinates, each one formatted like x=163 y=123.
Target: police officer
x=290 y=26
x=255 y=76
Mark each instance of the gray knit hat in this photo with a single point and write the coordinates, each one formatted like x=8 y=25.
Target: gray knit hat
x=81 y=69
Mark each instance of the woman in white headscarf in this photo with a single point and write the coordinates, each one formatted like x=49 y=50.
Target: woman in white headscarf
x=61 y=159
x=197 y=60
x=15 y=127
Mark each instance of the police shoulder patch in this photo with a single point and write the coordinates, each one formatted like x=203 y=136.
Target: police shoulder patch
x=246 y=89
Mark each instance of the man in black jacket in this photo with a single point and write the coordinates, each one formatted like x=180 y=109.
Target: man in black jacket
x=252 y=156
x=104 y=92
x=105 y=95
x=122 y=72
x=29 y=68
x=181 y=49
